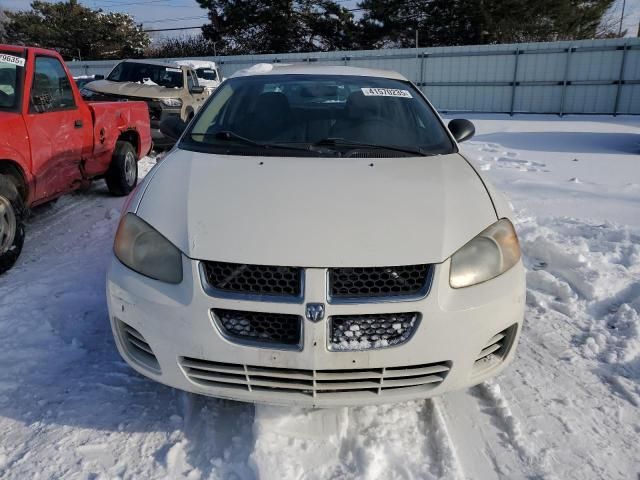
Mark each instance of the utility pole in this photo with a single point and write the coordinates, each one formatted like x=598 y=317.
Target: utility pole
x=416 y=38
x=621 y=17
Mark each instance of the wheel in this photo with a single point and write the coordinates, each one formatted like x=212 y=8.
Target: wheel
x=122 y=175
x=12 y=213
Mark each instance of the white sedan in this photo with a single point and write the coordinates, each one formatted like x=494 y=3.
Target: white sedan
x=316 y=238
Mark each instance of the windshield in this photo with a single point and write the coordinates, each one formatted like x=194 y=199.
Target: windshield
x=326 y=114
x=148 y=74
x=11 y=72
x=206 y=74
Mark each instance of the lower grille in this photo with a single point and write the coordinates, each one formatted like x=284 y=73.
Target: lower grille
x=137 y=346
x=315 y=383
x=254 y=279
x=495 y=350
x=365 y=332
x=372 y=282
x=272 y=329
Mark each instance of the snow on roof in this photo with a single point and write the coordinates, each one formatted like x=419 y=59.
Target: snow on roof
x=196 y=63
x=162 y=63
x=291 y=69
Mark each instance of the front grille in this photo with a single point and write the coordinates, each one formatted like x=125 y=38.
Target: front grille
x=351 y=383
x=365 y=332
x=368 y=282
x=137 y=346
x=260 y=328
x=254 y=279
x=495 y=350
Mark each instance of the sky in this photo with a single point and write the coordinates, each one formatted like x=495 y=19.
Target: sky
x=156 y=14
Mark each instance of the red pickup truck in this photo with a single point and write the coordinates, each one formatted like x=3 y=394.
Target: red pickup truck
x=53 y=142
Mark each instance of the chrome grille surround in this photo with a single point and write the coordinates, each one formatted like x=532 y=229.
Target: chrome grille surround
x=260 y=329
x=315 y=383
x=371 y=331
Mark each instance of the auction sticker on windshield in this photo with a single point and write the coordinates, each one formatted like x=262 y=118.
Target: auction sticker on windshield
x=10 y=59
x=171 y=69
x=386 y=92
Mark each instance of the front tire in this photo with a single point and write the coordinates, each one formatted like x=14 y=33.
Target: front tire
x=12 y=213
x=122 y=176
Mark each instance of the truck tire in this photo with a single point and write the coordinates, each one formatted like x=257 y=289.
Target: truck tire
x=12 y=214
x=122 y=175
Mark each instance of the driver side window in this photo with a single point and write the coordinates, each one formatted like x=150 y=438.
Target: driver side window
x=51 y=89
x=192 y=81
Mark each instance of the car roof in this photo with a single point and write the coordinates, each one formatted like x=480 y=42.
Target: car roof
x=290 y=69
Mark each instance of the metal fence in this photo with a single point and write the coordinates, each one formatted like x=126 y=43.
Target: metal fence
x=588 y=76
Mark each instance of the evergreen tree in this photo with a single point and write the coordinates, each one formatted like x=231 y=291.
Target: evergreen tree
x=77 y=31
x=278 y=26
x=467 y=22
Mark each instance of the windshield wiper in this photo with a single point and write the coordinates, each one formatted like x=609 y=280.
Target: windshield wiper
x=341 y=142
x=228 y=135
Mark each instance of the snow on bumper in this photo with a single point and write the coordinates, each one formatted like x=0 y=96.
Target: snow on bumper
x=174 y=323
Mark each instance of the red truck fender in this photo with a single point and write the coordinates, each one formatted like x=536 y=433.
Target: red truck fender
x=112 y=122
x=12 y=163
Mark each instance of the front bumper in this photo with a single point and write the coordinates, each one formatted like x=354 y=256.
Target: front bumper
x=174 y=322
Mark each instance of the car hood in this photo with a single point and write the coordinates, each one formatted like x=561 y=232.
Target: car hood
x=316 y=212
x=131 y=89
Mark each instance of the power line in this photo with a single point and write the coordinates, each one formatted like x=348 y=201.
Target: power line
x=179 y=19
x=110 y=3
x=172 y=29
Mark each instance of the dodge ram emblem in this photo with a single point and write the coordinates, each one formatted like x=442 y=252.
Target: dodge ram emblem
x=315 y=311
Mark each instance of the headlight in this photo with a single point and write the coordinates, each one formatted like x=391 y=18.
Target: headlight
x=143 y=249
x=171 y=102
x=491 y=253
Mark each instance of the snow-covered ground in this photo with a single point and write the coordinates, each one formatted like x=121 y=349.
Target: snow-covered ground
x=568 y=408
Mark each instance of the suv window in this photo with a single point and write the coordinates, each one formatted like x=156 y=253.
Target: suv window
x=147 y=73
x=51 y=88
x=11 y=71
x=192 y=81
x=207 y=74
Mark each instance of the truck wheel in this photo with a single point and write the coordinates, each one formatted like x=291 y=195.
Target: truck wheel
x=122 y=175
x=12 y=213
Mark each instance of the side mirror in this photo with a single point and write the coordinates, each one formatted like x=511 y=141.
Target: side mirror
x=461 y=129
x=172 y=127
x=98 y=77
x=197 y=89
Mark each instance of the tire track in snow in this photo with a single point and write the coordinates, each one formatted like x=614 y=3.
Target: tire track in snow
x=496 y=405
x=215 y=441
x=399 y=441
x=441 y=441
